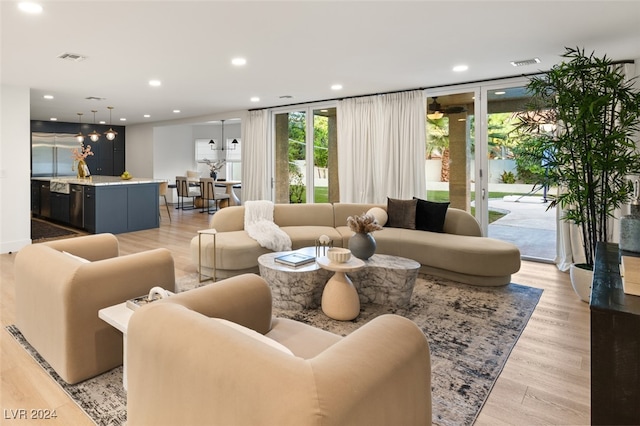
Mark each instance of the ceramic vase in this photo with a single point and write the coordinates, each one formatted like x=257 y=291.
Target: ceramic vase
x=362 y=246
x=81 y=170
x=581 y=280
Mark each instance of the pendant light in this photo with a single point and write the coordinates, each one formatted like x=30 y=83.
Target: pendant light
x=80 y=136
x=94 y=136
x=223 y=144
x=110 y=134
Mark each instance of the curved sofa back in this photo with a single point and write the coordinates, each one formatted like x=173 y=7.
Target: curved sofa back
x=457 y=221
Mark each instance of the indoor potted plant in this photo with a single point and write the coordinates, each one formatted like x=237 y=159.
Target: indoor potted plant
x=583 y=117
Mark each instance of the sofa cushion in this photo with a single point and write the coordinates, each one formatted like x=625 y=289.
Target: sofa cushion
x=380 y=214
x=78 y=258
x=235 y=250
x=318 y=214
x=430 y=215
x=479 y=256
x=402 y=213
x=306 y=236
x=254 y=335
x=303 y=340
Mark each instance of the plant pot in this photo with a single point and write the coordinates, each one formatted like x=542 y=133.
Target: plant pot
x=362 y=246
x=581 y=279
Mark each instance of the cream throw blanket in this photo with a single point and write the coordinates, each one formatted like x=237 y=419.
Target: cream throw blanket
x=259 y=224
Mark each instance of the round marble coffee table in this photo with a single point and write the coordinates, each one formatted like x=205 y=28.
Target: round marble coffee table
x=340 y=299
x=293 y=288
x=386 y=280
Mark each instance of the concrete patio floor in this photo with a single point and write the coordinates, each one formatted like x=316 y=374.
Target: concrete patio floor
x=527 y=224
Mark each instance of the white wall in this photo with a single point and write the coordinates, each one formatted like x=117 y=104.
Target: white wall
x=15 y=168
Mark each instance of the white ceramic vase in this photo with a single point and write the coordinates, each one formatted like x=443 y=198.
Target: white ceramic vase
x=581 y=280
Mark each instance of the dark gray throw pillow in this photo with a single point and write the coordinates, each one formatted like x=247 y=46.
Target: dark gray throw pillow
x=402 y=213
x=430 y=215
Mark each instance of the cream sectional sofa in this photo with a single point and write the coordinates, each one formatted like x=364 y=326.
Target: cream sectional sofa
x=460 y=253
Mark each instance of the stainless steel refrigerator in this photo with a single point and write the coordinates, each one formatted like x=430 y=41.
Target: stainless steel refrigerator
x=51 y=154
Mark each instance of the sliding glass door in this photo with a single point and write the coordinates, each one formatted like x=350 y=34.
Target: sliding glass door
x=450 y=148
x=472 y=162
x=306 y=155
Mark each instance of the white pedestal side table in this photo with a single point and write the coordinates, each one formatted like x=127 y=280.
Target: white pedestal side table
x=340 y=299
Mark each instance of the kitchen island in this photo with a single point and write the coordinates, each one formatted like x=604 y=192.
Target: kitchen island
x=97 y=204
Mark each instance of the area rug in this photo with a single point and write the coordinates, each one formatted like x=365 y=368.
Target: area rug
x=103 y=398
x=471 y=332
x=42 y=231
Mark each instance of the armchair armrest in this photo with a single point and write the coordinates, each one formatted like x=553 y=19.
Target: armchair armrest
x=91 y=247
x=385 y=360
x=243 y=299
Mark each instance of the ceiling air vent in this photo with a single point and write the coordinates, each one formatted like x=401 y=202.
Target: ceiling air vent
x=74 y=57
x=95 y=98
x=524 y=62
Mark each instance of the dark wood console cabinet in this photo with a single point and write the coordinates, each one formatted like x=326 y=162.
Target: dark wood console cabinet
x=615 y=343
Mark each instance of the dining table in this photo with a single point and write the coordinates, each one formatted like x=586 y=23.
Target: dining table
x=229 y=184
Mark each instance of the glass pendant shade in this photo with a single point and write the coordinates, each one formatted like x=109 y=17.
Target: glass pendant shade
x=94 y=136
x=80 y=136
x=110 y=134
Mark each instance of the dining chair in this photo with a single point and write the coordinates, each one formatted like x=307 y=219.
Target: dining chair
x=186 y=191
x=209 y=193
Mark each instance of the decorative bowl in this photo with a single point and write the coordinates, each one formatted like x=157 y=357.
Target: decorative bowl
x=339 y=254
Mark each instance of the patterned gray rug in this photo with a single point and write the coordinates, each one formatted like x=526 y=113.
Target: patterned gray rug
x=471 y=332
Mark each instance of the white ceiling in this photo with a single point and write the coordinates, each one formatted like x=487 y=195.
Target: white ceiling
x=293 y=48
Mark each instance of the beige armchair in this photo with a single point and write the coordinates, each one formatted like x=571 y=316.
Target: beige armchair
x=187 y=367
x=58 y=297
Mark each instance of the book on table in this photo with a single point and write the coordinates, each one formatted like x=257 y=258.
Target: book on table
x=295 y=259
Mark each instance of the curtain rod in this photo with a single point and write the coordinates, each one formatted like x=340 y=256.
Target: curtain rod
x=623 y=61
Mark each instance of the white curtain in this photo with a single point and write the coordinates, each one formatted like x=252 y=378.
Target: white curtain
x=255 y=156
x=381 y=147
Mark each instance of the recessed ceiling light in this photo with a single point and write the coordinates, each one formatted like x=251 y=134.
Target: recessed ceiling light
x=29 y=7
x=255 y=99
x=146 y=116
x=336 y=87
x=460 y=68
x=123 y=119
x=176 y=111
x=53 y=119
x=239 y=61
x=155 y=83
x=102 y=122
x=48 y=96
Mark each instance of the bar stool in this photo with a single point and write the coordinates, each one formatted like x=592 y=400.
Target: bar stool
x=162 y=191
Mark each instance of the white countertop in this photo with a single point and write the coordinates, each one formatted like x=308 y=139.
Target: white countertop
x=97 y=180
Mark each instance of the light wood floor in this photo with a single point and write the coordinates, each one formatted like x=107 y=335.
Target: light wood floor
x=545 y=381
